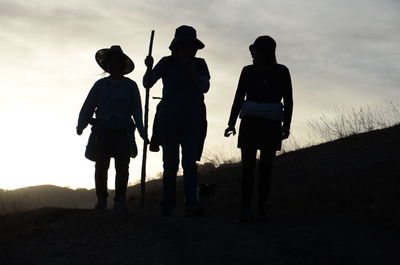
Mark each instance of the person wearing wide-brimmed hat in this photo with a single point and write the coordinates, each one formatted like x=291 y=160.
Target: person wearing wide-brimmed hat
x=114 y=99
x=181 y=115
x=265 y=121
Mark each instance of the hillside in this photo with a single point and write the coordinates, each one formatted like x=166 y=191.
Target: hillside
x=335 y=203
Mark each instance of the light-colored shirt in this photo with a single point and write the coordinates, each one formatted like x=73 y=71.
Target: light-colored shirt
x=112 y=101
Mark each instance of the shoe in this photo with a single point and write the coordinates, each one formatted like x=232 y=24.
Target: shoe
x=246 y=216
x=120 y=205
x=264 y=215
x=165 y=212
x=101 y=203
x=167 y=208
x=194 y=211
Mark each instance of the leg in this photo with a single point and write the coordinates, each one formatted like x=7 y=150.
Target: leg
x=121 y=155
x=248 y=165
x=103 y=157
x=102 y=165
x=121 y=176
x=121 y=182
x=190 y=154
x=101 y=168
x=264 y=185
x=171 y=166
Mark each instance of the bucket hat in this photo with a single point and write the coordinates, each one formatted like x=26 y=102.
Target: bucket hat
x=186 y=33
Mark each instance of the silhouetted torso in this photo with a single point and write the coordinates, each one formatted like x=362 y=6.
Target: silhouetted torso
x=262 y=87
x=113 y=101
x=181 y=98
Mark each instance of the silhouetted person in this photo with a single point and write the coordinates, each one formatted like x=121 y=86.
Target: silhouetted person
x=265 y=120
x=181 y=115
x=114 y=99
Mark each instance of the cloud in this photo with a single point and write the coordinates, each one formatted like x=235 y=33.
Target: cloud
x=339 y=52
x=352 y=45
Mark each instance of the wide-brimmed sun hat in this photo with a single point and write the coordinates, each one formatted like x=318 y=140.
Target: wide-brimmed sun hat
x=101 y=56
x=186 y=33
x=263 y=44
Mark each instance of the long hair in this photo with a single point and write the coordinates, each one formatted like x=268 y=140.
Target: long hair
x=269 y=58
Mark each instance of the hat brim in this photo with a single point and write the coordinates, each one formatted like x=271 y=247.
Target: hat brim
x=102 y=54
x=198 y=43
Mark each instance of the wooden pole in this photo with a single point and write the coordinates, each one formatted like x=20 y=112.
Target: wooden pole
x=146 y=126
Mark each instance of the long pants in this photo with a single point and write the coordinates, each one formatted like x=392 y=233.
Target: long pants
x=249 y=156
x=186 y=135
x=112 y=143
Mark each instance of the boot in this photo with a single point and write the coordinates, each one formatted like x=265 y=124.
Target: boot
x=101 y=203
x=120 y=205
x=246 y=215
x=193 y=211
x=264 y=215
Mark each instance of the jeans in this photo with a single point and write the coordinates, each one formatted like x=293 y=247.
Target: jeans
x=187 y=136
x=112 y=143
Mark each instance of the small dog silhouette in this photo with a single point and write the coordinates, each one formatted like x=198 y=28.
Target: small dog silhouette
x=205 y=193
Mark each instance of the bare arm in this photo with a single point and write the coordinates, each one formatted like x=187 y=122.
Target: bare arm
x=238 y=101
x=236 y=106
x=287 y=104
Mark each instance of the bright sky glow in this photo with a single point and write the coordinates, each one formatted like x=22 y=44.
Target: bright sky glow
x=340 y=53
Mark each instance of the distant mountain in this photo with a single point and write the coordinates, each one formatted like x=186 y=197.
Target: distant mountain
x=45 y=196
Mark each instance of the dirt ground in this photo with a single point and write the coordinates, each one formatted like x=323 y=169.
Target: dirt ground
x=68 y=236
x=337 y=204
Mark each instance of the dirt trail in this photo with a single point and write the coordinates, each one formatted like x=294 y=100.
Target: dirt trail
x=63 y=236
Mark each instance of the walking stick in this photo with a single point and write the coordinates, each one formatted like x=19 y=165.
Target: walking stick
x=145 y=144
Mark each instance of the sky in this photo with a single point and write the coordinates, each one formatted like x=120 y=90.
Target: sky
x=339 y=53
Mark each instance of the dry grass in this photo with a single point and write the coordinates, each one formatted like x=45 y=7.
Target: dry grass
x=35 y=197
x=218 y=157
x=340 y=123
x=11 y=203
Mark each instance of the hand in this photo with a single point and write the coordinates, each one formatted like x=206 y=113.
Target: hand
x=285 y=132
x=144 y=137
x=79 y=131
x=230 y=131
x=149 y=61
